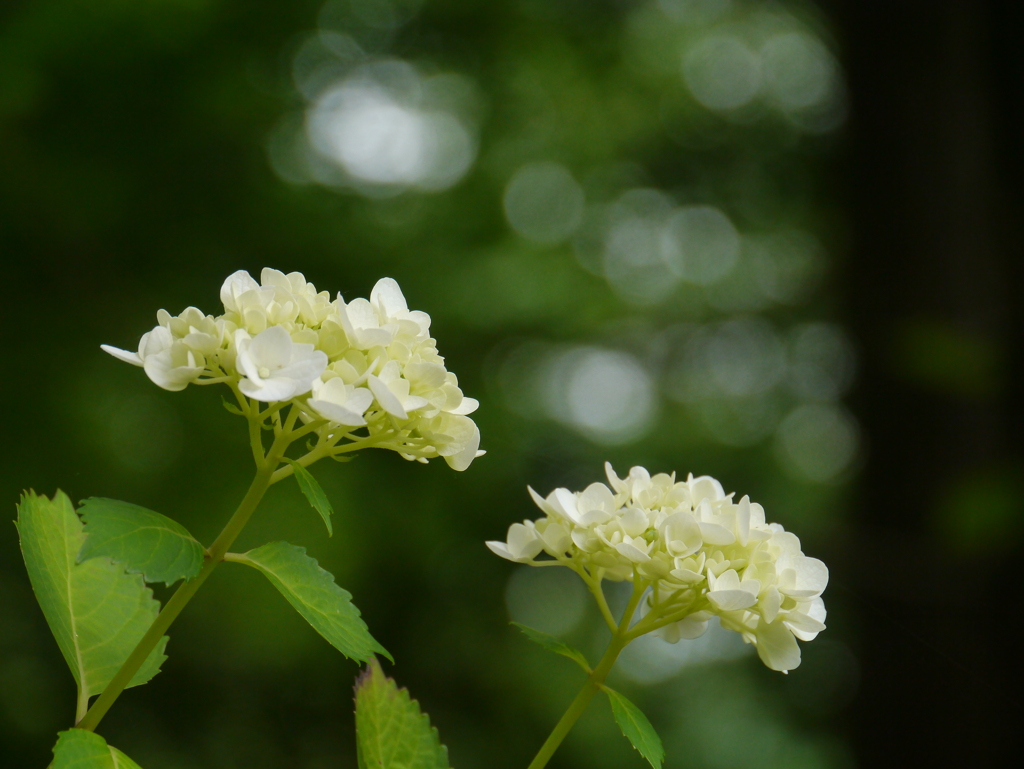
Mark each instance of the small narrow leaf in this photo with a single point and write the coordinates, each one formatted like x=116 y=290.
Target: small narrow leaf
x=313 y=493
x=79 y=749
x=96 y=611
x=636 y=727
x=552 y=644
x=314 y=594
x=391 y=731
x=142 y=541
x=232 y=407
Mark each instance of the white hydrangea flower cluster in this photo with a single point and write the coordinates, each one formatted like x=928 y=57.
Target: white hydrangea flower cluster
x=701 y=553
x=369 y=363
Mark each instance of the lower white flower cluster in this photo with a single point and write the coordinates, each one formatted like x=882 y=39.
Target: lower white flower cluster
x=369 y=363
x=701 y=553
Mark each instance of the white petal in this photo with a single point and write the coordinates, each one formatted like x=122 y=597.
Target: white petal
x=540 y=502
x=523 y=541
x=237 y=283
x=304 y=372
x=682 y=534
x=803 y=627
x=272 y=348
x=713 y=534
x=276 y=389
x=127 y=357
x=500 y=548
x=388 y=296
x=414 y=402
x=387 y=399
x=463 y=459
x=467 y=406
x=731 y=600
x=564 y=502
x=174 y=378
x=633 y=553
x=777 y=647
x=769 y=604
x=335 y=413
x=691 y=627
x=613 y=479
x=743 y=520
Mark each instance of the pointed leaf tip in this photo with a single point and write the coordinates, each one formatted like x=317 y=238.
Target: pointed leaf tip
x=142 y=541
x=315 y=595
x=552 y=644
x=636 y=728
x=314 y=493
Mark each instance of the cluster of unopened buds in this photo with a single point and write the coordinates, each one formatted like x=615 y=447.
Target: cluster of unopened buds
x=696 y=552
x=368 y=365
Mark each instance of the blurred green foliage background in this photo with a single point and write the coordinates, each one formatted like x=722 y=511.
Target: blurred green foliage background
x=645 y=232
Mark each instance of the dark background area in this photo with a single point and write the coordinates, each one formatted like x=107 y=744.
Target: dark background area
x=850 y=356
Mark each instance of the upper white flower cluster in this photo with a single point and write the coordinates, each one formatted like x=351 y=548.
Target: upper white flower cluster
x=366 y=363
x=701 y=553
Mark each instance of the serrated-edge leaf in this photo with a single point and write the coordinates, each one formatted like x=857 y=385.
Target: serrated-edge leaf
x=143 y=541
x=96 y=611
x=636 y=728
x=315 y=595
x=79 y=749
x=552 y=644
x=314 y=493
x=391 y=730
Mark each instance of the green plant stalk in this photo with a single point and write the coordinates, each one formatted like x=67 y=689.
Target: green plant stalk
x=263 y=479
x=595 y=680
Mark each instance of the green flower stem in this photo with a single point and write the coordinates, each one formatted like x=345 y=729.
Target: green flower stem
x=181 y=597
x=595 y=680
x=214 y=555
x=602 y=602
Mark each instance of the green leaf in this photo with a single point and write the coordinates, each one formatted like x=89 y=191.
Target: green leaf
x=142 y=541
x=314 y=594
x=552 y=644
x=313 y=493
x=231 y=407
x=391 y=732
x=79 y=749
x=636 y=727
x=97 y=612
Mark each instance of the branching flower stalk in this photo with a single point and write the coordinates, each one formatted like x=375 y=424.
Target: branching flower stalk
x=337 y=378
x=692 y=553
x=264 y=478
x=342 y=376
x=595 y=681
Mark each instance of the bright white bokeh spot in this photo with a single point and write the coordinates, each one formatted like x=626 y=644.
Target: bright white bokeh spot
x=605 y=394
x=386 y=128
x=550 y=599
x=543 y=202
x=379 y=140
x=701 y=244
x=722 y=72
x=649 y=659
x=817 y=442
x=799 y=71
